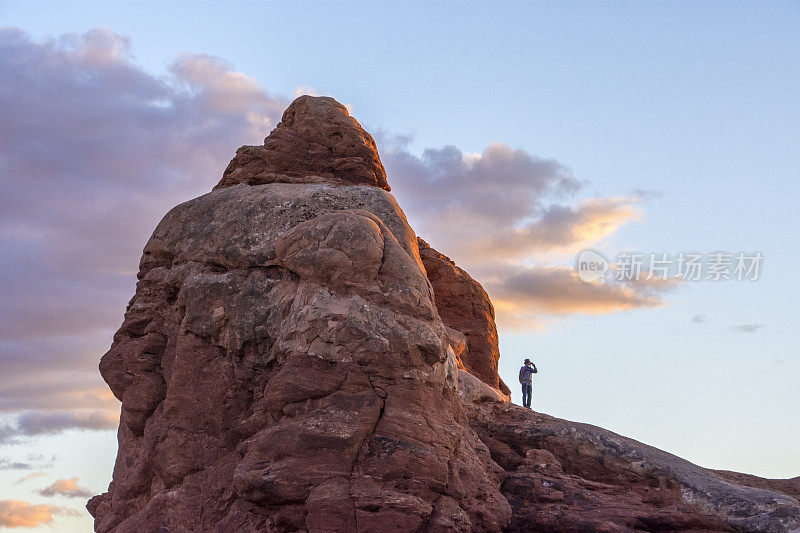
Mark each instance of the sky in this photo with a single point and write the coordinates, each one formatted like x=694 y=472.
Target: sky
x=514 y=135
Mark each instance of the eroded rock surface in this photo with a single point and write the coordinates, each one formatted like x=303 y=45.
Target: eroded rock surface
x=277 y=369
x=295 y=359
x=316 y=141
x=465 y=307
x=567 y=476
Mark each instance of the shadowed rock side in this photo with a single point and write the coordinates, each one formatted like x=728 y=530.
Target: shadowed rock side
x=465 y=307
x=287 y=364
x=316 y=141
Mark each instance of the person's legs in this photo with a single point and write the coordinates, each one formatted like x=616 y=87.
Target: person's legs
x=530 y=394
x=526 y=394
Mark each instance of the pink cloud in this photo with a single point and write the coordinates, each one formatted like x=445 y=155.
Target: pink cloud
x=66 y=487
x=17 y=513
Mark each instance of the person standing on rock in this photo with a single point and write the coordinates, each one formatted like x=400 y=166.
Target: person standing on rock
x=526 y=379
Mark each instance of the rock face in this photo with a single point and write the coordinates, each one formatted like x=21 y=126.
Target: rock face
x=294 y=359
x=465 y=307
x=316 y=141
x=277 y=370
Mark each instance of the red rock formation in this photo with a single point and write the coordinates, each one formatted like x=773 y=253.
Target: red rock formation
x=316 y=141
x=465 y=307
x=282 y=366
x=287 y=365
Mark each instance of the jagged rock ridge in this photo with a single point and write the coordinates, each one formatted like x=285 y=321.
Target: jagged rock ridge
x=295 y=359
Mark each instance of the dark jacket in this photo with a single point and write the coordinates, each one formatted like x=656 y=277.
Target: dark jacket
x=526 y=373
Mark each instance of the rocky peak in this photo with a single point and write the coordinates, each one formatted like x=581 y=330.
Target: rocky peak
x=316 y=141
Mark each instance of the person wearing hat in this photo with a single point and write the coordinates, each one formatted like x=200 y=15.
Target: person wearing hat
x=526 y=379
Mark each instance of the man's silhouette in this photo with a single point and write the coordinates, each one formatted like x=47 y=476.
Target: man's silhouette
x=526 y=379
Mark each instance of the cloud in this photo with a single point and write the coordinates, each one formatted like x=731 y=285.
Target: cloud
x=501 y=186
x=589 y=221
x=66 y=487
x=35 y=423
x=17 y=513
x=747 y=328
x=93 y=152
x=648 y=194
x=698 y=319
x=559 y=290
x=499 y=213
x=69 y=391
x=523 y=296
x=306 y=89
x=500 y=204
x=32 y=461
x=32 y=475
x=6 y=464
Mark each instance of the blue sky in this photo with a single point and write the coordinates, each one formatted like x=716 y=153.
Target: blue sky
x=688 y=112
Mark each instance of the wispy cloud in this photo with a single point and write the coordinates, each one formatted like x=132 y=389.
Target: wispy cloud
x=6 y=464
x=66 y=487
x=698 y=319
x=31 y=462
x=17 y=513
x=32 y=475
x=747 y=328
x=475 y=202
x=30 y=424
x=306 y=89
x=572 y=227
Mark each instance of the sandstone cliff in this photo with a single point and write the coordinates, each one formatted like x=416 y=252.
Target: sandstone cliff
x=295 y=359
